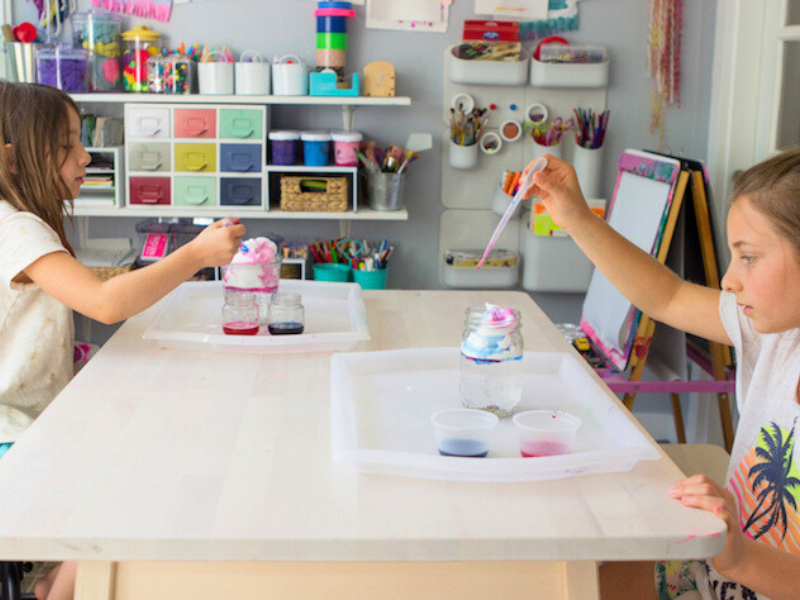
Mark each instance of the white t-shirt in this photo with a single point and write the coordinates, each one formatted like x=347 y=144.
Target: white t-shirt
x=36 y=330
x=764 y=471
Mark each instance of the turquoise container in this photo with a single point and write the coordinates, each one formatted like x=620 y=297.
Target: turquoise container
x=332 y=272
x=371 y=280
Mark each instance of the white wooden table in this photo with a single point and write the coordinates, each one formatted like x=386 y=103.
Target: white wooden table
x=178 y=474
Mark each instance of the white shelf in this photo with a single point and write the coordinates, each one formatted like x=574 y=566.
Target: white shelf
x=102 y=98
x=363 y=214
x=307 y=169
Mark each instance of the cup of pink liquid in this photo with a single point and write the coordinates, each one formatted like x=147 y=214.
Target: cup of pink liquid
x=546 y=432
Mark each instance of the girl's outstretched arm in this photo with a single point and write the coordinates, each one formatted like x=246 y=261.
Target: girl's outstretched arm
x=73 y=284
x=648 y=284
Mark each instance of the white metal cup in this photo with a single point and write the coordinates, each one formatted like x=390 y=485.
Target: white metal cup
x=252 y=78
x=463 y=157
x=289 y=78
x=215 y=78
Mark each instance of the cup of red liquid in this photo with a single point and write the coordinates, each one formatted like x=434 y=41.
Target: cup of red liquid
x=546 y=432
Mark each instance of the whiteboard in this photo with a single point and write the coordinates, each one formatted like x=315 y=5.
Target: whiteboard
x=638 y=211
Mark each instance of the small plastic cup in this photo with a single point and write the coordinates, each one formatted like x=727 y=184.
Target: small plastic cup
x=464 y=432
x=546 y=432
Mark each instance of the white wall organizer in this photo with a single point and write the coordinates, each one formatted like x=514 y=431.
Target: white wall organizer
x=473 y=195
x=107 y=163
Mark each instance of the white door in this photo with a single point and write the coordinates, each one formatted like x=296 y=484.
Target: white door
x=755 y=100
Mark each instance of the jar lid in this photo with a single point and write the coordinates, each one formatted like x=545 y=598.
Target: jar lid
x=97 y=15
x=284 y=135
x=141 y=32
x=315 y=136
x=61 y=51
x=347 y=136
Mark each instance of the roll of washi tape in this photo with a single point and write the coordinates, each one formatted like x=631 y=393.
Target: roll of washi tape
x=511 y=130
x=333 y=41
x=331 y=25
x=334 y=12
x=490 y=142
x=331 y=58
x=463 y=101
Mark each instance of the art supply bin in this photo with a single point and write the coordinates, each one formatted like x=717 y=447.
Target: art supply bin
x=554 y=264
x=332 y=272
x=140 y=43
x=98 y=32
x=371 y=280
x=385 y=190
x=62 y=67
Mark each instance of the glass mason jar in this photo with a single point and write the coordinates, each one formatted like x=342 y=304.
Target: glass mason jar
x=491 y=360
x=139 y=44
x=286 y=314
x=240 y=313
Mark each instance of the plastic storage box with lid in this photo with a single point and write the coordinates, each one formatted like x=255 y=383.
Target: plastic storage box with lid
x=345 y=145
x=139 y=44
x=62 y=67
x=500 y=270
x=98 y=32
x=172 y=74
x=316 y=148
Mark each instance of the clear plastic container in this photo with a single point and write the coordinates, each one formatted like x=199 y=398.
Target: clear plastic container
x=98 y=32
x=62 y=67
x=286 y=314
x=491 y=360
x=139 y=44
x=172 y=74
x=240 y=313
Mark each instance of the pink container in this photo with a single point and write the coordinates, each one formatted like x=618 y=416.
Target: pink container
x=345 y=145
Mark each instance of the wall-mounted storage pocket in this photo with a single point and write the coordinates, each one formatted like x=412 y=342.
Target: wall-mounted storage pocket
x=195 y=191
x=569 y=75
x=196 y=157
x=240 y=158
x=149 y=191
x=149 y=123
x=487 y=72
x=143 y=156
x=238 y=191
x=242 y=124
x=195 y=123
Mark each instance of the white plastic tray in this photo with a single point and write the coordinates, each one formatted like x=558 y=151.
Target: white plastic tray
x=191 y=318
x=381 y=404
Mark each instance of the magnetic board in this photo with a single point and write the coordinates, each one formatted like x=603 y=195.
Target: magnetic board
x=639 y=209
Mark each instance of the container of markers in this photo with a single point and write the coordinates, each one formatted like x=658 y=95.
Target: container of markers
x=371 y=280
x=332 y=272
x=588 y=163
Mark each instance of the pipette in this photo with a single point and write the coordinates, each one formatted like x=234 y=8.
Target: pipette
x=524 y=186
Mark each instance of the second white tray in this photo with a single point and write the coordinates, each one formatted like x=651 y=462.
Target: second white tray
x=381 y=404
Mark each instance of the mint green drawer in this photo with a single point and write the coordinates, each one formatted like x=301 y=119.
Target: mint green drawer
x=195 y=191
x=241 y=124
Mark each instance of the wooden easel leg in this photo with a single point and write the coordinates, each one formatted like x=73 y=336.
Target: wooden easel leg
x=726 y=420
x=677 y=415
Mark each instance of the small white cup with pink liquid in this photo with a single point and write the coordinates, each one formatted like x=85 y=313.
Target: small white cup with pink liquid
x=546 y=432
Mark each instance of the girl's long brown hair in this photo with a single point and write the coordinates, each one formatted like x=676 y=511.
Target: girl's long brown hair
x=34 y=125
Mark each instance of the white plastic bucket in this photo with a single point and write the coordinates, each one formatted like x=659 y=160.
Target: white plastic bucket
x=215 y=78
x=289 y=77
x=253 y=77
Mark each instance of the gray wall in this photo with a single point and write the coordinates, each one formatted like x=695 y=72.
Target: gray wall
x=282 y=26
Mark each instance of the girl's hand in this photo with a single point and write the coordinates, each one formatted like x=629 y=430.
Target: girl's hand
x=699 y=491
x=560 y=192
x=217 y=243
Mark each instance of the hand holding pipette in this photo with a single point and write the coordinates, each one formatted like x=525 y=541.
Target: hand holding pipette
x=525 y=184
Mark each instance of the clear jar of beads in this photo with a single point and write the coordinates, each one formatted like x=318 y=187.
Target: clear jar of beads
x=286 y=314
x=139 y=44
x=171 y=74
x=98 y=32
x=491 y=360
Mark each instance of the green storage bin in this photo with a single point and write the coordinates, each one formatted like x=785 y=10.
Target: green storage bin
x=245 y=124
x=196 y=191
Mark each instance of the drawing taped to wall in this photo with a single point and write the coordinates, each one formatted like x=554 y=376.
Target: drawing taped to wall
x=409 y=15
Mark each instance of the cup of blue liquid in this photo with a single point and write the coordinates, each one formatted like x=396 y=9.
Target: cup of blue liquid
x=464 y=432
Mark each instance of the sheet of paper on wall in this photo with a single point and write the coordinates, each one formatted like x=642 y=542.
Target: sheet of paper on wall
x=534 y=10
x=408 y=15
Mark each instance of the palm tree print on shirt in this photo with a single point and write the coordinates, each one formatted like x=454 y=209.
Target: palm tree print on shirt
x=766 y=484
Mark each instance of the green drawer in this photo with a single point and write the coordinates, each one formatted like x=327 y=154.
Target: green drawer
x=195 y=191
x=244 y=124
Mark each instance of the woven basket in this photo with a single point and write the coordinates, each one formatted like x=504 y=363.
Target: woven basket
x=331 y=195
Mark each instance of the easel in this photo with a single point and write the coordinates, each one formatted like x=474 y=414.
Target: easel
x=719 y=354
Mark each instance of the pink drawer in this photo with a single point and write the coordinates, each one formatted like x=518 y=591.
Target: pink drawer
x=195 y=123
x=150 y=191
